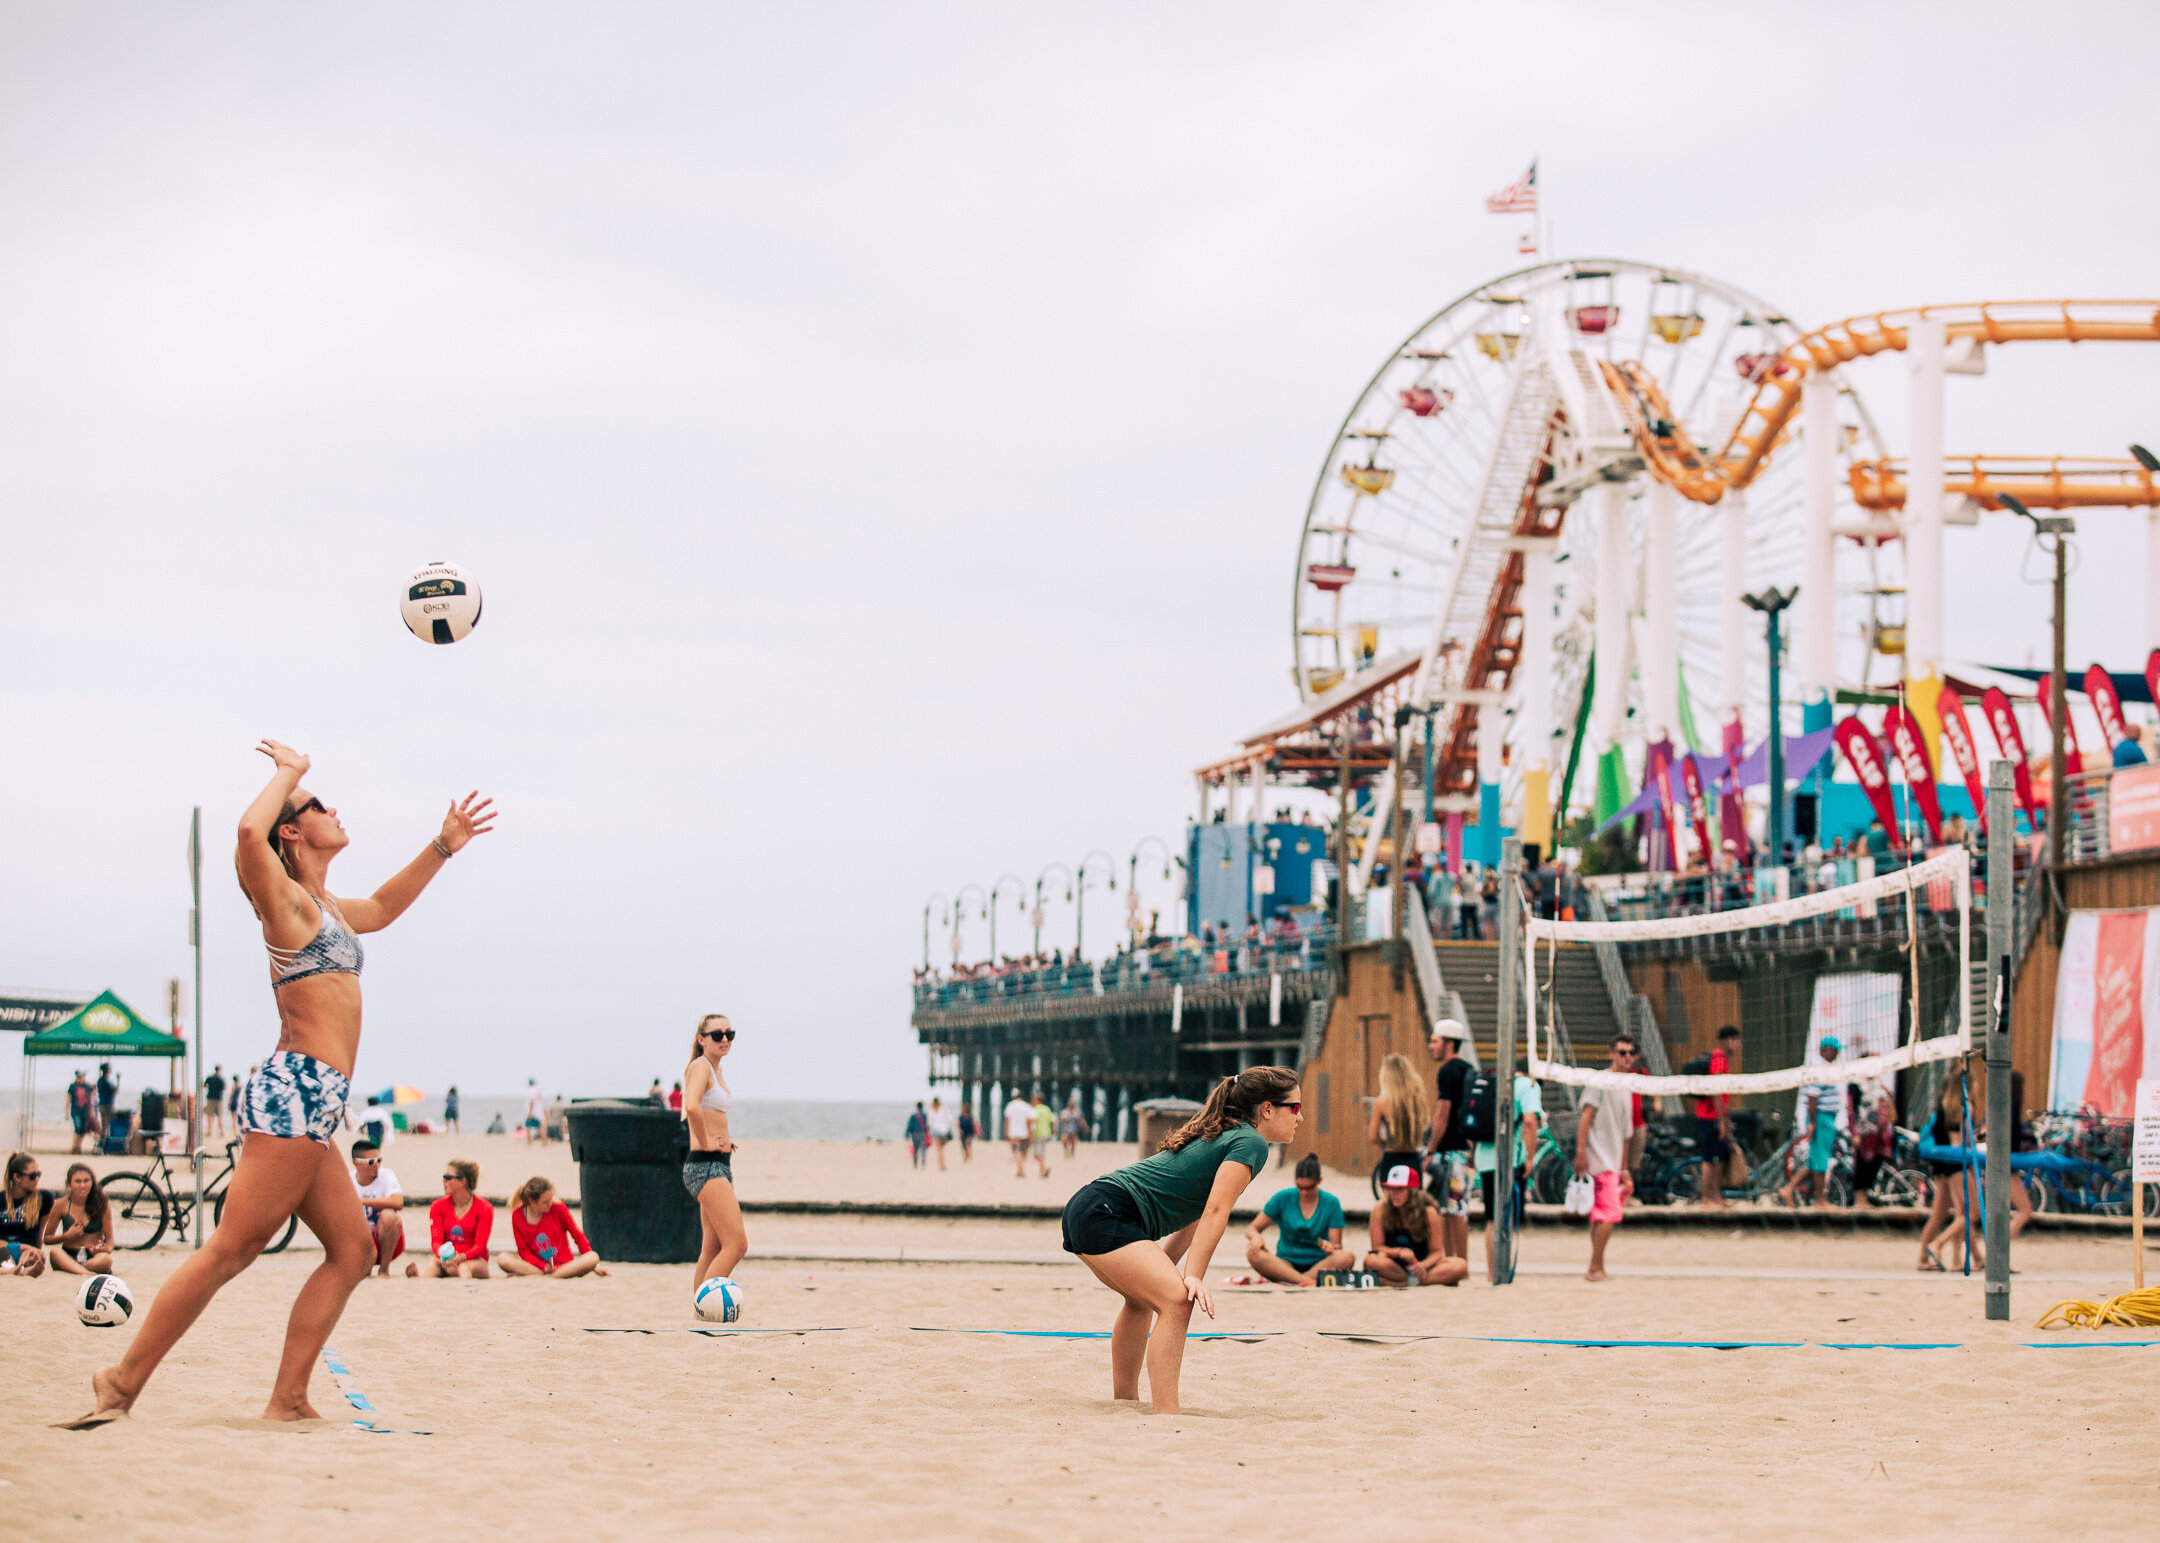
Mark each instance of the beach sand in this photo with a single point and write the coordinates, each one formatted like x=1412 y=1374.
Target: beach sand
x=882 y=1431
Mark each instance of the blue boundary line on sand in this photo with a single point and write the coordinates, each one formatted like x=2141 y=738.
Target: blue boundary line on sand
x=349 y=1385
x=1645 y=1344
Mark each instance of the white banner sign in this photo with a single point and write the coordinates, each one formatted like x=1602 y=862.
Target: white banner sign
x=2145 y=1151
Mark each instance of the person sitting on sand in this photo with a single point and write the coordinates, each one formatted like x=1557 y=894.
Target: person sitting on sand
x=458 y=1227
x=548 y=1241
x=383 y=1198
x=1311 y=1220
x=1407 y=1239
x=22 y=1213
x=78 y=1228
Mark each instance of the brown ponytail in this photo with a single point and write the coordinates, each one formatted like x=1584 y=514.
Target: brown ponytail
x=1234 y=1102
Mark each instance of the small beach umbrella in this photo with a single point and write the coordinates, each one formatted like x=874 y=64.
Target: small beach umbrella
x=400 y=1093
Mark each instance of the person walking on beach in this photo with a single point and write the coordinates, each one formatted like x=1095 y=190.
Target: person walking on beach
x=1713 y=1120
x=1450 y=1183
x=1815 y=1118
x=108 y=1094
x=287 y=839
x=709 y=1173
x=450 y=1110
x=940 y=1129
x=214 y=1103
x=674 y=1099
x=1042 y=1126
x=459 y=1225
x=918 y=1134
x=1072 y=1126
x=1019 y=1131
x=82 y=1110
x=1602 y=1131
x=1181 y=1195
x=232 y=1096
x=536 y=1113
x=966 y=1126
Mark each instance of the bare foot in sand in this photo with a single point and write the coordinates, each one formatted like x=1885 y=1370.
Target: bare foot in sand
x=303 y=1410
x=1593 y=1275
x=109 y=1403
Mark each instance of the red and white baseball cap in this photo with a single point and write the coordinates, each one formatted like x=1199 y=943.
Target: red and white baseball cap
x=1401 y=1176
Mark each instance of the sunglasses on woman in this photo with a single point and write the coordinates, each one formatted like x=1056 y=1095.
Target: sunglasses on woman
x=313 y=803
x=719 y=1033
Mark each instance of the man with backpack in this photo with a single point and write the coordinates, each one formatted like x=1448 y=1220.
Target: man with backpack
x=1713 y=1114
x=1450 y=1184
x=1481 y=1125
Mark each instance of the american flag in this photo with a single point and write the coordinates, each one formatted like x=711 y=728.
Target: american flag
x=1518 y=197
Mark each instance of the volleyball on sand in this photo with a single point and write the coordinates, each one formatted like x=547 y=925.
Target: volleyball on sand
x=104 y=1302
x=719 y=1300
x=441 y=603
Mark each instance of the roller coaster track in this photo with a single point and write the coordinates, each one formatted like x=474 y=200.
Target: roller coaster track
x=2037 y=481
x=1673 y=459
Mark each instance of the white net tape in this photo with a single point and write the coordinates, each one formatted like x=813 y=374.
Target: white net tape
x=1954 y=865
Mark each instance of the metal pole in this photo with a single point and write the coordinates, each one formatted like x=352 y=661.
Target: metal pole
x=195 y=937
x=1342 y=857
x=1504 y=1062
x=2001 y=890
x=1401 y=864
x=1776 y=831
x=1428 y=716
x=2058 y=709
x=1080 y=909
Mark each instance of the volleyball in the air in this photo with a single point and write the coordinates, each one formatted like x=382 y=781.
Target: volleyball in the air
x=104 y=1302
x=441 y=603
x=719 y=1300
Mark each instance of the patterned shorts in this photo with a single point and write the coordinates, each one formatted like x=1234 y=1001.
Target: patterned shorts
x=700 y=1171
x=1450 y=1183
x=295 y=1095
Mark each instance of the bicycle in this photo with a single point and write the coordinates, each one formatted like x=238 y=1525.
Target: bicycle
x=141 y=1209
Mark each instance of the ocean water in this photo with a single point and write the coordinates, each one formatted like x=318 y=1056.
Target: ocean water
x=753 y=1119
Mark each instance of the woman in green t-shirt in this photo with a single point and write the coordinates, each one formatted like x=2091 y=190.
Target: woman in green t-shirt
x=1182 y=1195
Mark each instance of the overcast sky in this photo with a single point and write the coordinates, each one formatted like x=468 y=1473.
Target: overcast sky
x=881 y=432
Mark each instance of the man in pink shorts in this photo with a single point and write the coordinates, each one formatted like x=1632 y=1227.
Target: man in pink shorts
x=1606 y=1121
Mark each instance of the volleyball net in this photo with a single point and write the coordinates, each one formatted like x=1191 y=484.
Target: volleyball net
x=1869 y=962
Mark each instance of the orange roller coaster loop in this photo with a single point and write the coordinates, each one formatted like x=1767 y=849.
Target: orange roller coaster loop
x=2037 y=481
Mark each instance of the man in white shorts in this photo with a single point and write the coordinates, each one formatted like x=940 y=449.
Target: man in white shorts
x=383 y=1199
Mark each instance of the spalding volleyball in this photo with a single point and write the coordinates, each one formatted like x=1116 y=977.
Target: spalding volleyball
x=719 y=1300
x=441 y=604
x=104 y=1302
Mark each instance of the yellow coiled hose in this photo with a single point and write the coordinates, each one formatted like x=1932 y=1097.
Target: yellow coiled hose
x=2131 y=1310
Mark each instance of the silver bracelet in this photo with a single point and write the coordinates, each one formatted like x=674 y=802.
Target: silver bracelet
x=446 y=853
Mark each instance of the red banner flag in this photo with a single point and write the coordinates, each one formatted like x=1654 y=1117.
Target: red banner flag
x=2118 y=1020
x=1698 y=810
x=1660 y=769
x=1865 y=754
x=1732 y=813
x=2152 y=675
x=1912 y=754
x=2100 y=690
x=1995 y=707
x=2073 y=758
x=1957 y=734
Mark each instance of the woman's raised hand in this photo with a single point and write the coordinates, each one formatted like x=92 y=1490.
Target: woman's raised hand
x=287 y=758
x=467 y=819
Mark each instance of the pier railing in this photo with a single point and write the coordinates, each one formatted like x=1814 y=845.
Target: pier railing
x=1131 y=972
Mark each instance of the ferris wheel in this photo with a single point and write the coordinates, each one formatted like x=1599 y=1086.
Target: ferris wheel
x=1476 y=437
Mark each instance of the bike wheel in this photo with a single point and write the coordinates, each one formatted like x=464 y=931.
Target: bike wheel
x=1900 y=1186
x=277 y=1244
x=2039 y=1192
x=137 y=1209
x=1548 y=1183
x=1837 y=1185
x=1683 y=1181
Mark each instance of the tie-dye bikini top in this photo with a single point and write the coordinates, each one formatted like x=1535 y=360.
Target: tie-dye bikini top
x=334 y=950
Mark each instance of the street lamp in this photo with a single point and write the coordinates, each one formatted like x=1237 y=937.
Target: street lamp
x=2059 y=526
x=996 y=890
x=1770 y=602
x=928 y=905
x=1061 y=868
x=959 y=913
x=1080 y=883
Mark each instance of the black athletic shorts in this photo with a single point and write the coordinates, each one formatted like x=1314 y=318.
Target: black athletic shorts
x=1710 y=1141
x=1101 y=1219
x=1485 y=1192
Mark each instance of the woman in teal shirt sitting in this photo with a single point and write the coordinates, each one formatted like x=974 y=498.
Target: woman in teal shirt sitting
x=1182 y=1196
x=1311 y=1220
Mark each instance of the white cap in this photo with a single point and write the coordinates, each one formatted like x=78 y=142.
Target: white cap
x=1450 y=1028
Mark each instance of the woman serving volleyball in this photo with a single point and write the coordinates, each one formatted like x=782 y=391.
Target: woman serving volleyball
x=1181 y=1195
x=293 y=1105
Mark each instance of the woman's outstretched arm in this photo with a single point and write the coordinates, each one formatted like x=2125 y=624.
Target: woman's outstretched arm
x=472 y=816
x=261 y=872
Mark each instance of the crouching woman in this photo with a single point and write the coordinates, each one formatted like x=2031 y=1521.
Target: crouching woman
x=1182 y=1197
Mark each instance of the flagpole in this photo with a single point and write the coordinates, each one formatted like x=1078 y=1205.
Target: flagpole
x=195 y=937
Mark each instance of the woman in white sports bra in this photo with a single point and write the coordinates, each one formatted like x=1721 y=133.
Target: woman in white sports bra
x=709 y=1173
x=293 y=1104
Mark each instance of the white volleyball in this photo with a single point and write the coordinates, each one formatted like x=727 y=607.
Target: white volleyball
x=104 y=1302
x=441 y=603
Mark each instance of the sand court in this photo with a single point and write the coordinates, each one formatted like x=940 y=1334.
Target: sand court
x=877 y=1429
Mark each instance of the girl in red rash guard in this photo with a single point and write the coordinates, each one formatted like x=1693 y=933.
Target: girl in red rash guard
x=548 y=1241
x=460 y=1222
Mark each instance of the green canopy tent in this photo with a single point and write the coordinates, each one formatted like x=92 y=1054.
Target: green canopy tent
x=103 y=1028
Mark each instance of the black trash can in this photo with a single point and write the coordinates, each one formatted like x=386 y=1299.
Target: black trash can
x=630 y=1156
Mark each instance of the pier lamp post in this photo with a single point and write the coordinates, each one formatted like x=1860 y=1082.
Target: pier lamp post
x=929 y=905
x=1019 y=889
x=2059 y=526
x=1067 y=872
x=1132 y=865
x=1108 y=867
x=959 y=912
x=1771 y=602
